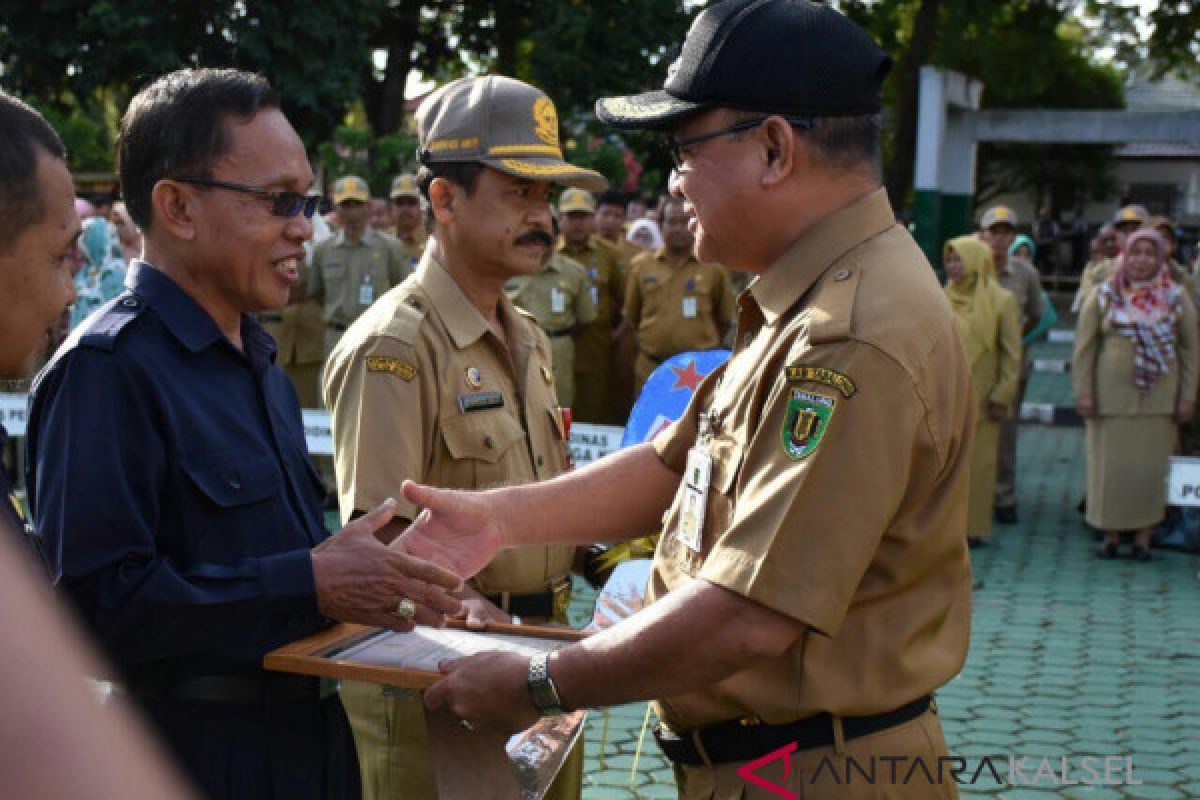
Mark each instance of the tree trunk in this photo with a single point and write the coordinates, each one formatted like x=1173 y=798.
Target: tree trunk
x=899 y=176
x=384 y=101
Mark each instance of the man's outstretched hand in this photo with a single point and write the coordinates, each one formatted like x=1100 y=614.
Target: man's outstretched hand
x=358 y=579
x=457 y=530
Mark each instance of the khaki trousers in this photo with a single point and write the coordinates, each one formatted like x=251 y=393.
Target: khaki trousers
x=812 y=771
x=1006 y=455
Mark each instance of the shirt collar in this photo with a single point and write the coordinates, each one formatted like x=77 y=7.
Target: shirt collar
x=795 y=272
x=185 y=318
x=182 y=316
x=463 y=320
x=367 y=238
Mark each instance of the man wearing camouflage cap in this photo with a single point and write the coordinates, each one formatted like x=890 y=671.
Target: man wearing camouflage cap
x=811 y=589
x=408 y=221
x=444 y=381
x=357 y=265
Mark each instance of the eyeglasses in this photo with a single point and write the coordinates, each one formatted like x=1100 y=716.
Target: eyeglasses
x=676 y=146
x=283 y=203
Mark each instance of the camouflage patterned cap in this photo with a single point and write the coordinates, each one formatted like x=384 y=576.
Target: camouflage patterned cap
x=405 y=185
x=501 y=122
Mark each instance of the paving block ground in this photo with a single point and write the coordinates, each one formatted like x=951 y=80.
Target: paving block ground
x=1070 y=655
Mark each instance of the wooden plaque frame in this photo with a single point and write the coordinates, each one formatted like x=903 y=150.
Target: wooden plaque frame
x=319 y=654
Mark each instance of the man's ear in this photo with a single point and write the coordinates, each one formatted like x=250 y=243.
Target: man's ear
x=172 y=209
x=443 y=199
x=781 y=143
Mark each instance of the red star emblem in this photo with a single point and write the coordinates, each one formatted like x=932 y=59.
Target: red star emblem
x=686 y=378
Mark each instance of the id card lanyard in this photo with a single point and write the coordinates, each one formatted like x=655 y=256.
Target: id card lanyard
x=696 y=479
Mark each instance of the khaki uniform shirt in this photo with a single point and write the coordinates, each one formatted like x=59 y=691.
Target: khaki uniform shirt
x=421 y=388
x=1102 y=365
x=1097 y=272
x=1021 y=278
x=560 y=299
x=414 y=246
x=678 y=308
x=341 y=269
x=840 y=437
x=299 y=330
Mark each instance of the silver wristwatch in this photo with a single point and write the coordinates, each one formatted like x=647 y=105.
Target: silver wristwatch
x=541 y=687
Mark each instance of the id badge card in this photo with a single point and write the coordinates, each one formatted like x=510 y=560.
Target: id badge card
x=689 y=307
x=366 y=295
x=595 y=296
x=695 y=497
x=558 y=301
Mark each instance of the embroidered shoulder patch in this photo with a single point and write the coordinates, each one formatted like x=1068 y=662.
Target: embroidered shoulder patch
x=804 y=424
x=808 y=373
x=401 y=369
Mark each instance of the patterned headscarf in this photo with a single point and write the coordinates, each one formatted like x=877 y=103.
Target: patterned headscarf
x=1144 y=311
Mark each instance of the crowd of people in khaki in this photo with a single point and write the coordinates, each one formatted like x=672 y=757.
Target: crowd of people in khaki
x=817 y=499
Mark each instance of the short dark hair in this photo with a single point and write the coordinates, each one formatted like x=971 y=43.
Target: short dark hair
x=176 y=126
x=612 y=197
x=464 y=173
x=843 y=143
x=23 y=133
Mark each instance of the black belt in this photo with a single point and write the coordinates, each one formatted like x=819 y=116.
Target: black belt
x=261 y=690
x=559 y=334
x=735 y=742
x=536 y=604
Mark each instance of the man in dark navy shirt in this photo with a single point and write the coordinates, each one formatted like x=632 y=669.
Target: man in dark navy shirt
x=169 y=474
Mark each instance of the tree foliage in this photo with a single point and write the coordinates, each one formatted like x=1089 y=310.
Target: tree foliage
x=62 y=52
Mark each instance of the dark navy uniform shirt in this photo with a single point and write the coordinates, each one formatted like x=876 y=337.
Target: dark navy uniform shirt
x=171 y=483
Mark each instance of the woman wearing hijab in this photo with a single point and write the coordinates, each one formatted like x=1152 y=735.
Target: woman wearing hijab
x=103 y=275
x=1024 y=248
x=991 y=329
x=1135 y=376
x=645 y=234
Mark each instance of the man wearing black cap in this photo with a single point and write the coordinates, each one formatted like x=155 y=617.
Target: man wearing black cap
x=815 y=489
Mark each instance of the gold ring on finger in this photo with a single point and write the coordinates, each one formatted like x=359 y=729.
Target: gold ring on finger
x=406 y=609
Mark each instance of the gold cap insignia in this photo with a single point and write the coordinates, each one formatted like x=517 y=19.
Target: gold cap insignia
x=474 y=378
x=545 y=121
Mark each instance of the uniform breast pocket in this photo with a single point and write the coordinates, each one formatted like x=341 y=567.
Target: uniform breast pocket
x=652 y=298
x=334 y=276
x=480 y=442
x=726 y=467
x=232 y=479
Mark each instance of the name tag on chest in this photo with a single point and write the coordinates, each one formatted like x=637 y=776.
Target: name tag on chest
x=558 y=301
x=689 y=307
x=696 y=479
x=480 y=402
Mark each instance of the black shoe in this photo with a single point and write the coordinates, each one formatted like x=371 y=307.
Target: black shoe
x=1107 y=551
x=1141 y=553
x=975 y=541
x=1006 y=515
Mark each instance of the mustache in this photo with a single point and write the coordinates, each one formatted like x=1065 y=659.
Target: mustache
x=535 y=236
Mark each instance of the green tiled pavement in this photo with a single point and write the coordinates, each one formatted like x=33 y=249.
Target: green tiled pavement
x=1070 y=655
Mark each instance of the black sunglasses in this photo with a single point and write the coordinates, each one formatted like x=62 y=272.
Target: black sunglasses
x=676 y=146
x=283 y=203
